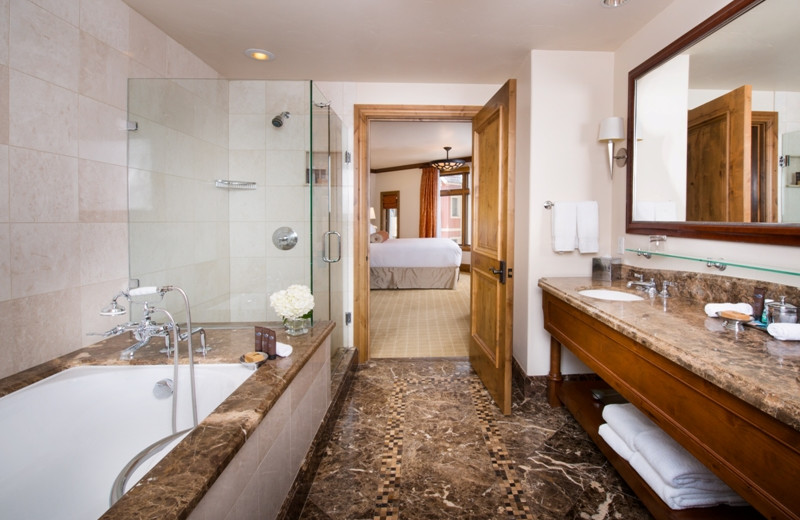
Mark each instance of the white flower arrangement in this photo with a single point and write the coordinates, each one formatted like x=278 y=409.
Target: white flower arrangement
x=292 y=303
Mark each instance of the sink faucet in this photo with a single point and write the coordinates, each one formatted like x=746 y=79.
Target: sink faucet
x=648 y=287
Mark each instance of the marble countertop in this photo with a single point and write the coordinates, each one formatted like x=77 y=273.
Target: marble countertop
x=178 y=482
x=748 y=364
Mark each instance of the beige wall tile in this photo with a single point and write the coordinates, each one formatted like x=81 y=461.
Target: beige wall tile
x=4 y=182
x=102 y=132
x=42 y=116
x=183 y=64
x=43 y=186
x=102 y=192
x=38 y=328
x=103 y=72
x=44 y=46
x=67 y=10
x=44 y=258
x=3 y=104
x=5 y=263
x=4 y=29
x=104 y=252
x=108 y=21
x=147 y=45
x=248 y=97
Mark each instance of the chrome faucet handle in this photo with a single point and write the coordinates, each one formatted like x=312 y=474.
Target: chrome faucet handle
x=664 y=292
x=639 y=277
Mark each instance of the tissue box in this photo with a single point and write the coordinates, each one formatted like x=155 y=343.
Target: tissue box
x=606 y=268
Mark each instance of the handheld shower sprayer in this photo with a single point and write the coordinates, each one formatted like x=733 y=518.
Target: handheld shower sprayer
x=277 y=121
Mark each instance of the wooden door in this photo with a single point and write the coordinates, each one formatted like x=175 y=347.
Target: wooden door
x=718 y=159
x=491 y=294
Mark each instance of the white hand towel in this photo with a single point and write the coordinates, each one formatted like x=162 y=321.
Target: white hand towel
x=674 y=465
x=615 y=441
x=665 y=211
x=282 y=349
x=784 y=331
x=713 y=308
x=627 y=421
x=683 y=497
x=564 y=226
x=644 y=211
x=588 y=226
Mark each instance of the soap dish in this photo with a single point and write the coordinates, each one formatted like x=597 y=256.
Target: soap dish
x=734 y=320
x=253 y=365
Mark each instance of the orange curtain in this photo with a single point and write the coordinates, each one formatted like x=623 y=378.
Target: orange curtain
x=428 y=198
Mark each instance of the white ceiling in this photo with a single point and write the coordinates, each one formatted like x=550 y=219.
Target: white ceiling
x=409 y=41
x=420 y=41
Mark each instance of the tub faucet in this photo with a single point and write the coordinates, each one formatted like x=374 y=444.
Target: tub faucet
x=648 y=287
x=144 y=331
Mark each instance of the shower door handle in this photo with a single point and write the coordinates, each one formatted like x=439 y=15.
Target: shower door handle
x=326 y=247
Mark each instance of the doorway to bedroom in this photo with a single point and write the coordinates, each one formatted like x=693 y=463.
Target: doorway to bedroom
x=420 y=322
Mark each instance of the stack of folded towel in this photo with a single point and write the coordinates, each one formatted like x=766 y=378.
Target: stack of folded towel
x=672 y=472
x=713 y=308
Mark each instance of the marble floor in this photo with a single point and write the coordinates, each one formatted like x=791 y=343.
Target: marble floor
x=421 y=439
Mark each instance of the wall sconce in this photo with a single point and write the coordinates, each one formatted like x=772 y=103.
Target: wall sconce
x=372 y=213
x=612 y=129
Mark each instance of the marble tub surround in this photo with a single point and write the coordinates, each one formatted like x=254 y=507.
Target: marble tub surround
x=177 y=483
x=421 y=439
x=750 y=364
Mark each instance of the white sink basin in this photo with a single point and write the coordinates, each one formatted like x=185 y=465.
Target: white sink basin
x=609 y=294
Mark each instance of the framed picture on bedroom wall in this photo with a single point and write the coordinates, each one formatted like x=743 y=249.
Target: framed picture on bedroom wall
x=318 y=168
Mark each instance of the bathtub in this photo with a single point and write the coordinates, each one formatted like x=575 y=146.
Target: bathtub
x=64 y=440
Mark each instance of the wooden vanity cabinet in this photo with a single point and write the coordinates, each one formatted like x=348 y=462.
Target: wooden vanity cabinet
x=757 y=455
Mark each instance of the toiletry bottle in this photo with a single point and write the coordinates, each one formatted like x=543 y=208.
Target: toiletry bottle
x=259 y=339
x=758 y=302
x=764 y=317
x=269 y=342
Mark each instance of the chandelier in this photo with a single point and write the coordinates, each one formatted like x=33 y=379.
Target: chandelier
x=448 y=164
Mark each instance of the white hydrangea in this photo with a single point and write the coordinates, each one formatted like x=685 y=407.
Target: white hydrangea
x=293 y=302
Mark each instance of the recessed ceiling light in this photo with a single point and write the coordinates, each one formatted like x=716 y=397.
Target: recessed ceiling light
x=613 y=3
x=260 y=54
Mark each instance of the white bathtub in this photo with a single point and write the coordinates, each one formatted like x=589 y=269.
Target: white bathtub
x=64 y=440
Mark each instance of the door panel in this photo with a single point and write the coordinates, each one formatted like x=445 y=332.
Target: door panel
x=491 y=296
x=718 y=159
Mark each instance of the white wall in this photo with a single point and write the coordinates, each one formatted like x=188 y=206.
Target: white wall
x=570 y=93
x=676 y=19
x=407 y=183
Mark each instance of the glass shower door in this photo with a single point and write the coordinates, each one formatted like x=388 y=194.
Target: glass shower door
x=325 y=179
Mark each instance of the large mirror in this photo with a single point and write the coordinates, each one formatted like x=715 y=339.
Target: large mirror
x=714 y=129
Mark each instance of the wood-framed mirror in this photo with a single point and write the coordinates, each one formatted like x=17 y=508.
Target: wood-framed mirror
x=735 y=49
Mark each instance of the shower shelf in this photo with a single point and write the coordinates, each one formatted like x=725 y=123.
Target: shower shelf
x=711 y=262
x=235 y=185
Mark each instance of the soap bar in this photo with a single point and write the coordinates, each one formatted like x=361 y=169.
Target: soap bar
x=253 y=357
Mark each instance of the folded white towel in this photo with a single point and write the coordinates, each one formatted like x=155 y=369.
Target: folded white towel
x=713 y=308
x=588 y=226
x=681 y=497
x=615 y=441
x=282 y=349
x=676 y=466
x=564 y=226
x=784 y=331
x=627 y=422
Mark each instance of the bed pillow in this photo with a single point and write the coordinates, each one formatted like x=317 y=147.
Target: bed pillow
x=384 y=234
x=375 y=238
x=373 y=229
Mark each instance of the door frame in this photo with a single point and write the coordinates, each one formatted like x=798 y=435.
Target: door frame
x=362 y=116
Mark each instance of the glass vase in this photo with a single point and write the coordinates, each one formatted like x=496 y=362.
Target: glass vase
x=296 y=326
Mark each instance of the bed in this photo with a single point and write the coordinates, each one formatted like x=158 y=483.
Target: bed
x=414 y=263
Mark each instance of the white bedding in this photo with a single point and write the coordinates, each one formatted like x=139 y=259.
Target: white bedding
x=415 y=252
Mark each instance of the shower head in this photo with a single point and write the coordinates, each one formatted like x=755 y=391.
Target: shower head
x=113 y=309
x=277 y=121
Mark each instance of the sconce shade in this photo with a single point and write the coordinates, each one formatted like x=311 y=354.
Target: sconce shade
x=372 y=213
x=611 y=129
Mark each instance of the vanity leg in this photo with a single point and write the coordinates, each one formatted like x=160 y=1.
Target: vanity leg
x=554 y=378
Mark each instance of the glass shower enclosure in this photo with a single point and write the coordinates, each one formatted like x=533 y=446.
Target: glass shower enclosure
x=234 y=190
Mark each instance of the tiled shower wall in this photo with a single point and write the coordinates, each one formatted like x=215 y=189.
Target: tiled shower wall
x=64 y=67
